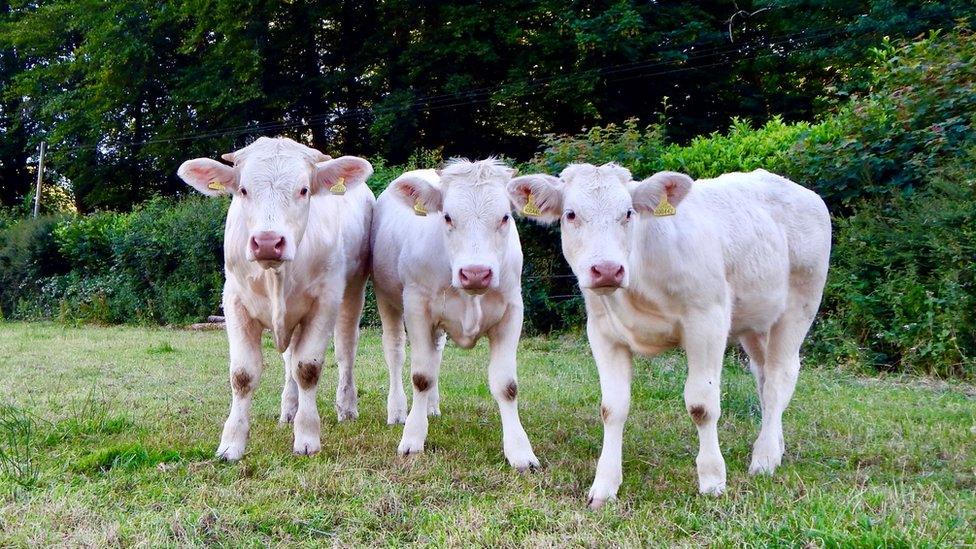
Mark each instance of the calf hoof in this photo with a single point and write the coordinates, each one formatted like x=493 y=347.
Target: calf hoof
x=600 y=494
x=523 y=461
x=434 y=411
x=595 y=504
x=711 y=484
x=764 y=463
x=597 y=499
x=528 y=467
x=286 y=418
x=410 y=446
x=230 y=452
x=306 y=446
x=711 y=487
x=396 y=412
x=347 y=415
x=711 y=478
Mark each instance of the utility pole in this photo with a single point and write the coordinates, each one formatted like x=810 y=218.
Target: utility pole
x=40 y=177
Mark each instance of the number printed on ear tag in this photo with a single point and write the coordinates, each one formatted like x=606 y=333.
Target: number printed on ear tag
x=216 y=186
x=530 y=208
x=419 y=208
x=664 y=208
x=339 y=187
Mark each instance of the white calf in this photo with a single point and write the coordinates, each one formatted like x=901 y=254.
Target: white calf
x=296 y=250
x=447 y=261
x=667 y=262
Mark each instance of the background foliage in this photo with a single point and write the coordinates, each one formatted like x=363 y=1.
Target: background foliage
x=125 y=91
x=893 y=152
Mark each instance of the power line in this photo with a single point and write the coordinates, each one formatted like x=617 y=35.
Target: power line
x=480 y=95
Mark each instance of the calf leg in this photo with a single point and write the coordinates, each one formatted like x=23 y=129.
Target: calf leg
x=306 y=368
x=615 y=365
x=780 y=372
x=503 y=383
x=434 y=401
x=289 y=392
x=346 y=342
x=424 y=369
x=246 y=366
x=754 y=345
x=704 y=339
x=394 y=350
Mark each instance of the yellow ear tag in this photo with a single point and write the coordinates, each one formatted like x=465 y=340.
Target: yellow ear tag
x=664 y=208
x=530 y=208
x=216 y=186
x=419 y=209
x=339 y=187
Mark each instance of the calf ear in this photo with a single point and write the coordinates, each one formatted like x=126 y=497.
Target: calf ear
x=208 y=176
x=338 y=174
x=648 y=194
x=538 y=197
x=418 y=193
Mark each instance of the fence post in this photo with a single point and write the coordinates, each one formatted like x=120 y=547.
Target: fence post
x=40 y=177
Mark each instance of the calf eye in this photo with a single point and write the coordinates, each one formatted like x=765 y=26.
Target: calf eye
x=243 y=191
x=447 y=219
x=505 y=218
x=630 y=213
x=305 y=191
x=570 y=215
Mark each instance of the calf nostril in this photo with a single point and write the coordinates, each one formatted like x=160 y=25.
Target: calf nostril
x=620 y=273
x=280 y=244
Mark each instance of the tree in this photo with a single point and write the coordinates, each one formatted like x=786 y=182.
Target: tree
x=124 y=91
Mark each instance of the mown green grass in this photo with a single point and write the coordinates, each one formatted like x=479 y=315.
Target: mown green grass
x=125 y=421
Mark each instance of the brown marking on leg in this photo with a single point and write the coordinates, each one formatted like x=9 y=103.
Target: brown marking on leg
x=308 y=373
x=241 y=382
x=605 y=413
x=698 y=414
x=421 y=382
x=511 y=390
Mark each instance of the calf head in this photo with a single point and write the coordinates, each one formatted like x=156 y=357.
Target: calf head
x=596 y=208
x=475 y=214
x=272 y=182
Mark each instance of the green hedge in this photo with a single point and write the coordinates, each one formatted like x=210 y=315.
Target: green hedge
x=901 y=295
x=161 y=263
x=896 y=166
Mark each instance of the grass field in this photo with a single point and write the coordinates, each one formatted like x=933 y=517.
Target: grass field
x=120 y=424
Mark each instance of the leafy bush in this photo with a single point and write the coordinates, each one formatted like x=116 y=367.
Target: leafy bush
x=741 y=149
x=170 y=258
x=161 y=263
x=9 y=216
x=920 y=114
x=86 y=242
x=639 y=149
x=28 y=255
x=902 y=289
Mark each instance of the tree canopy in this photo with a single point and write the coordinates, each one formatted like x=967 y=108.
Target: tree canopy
x=124 y=91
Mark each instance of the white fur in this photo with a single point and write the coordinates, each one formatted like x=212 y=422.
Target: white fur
x=745 y=256
x=416 y=261
x=316 y=292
